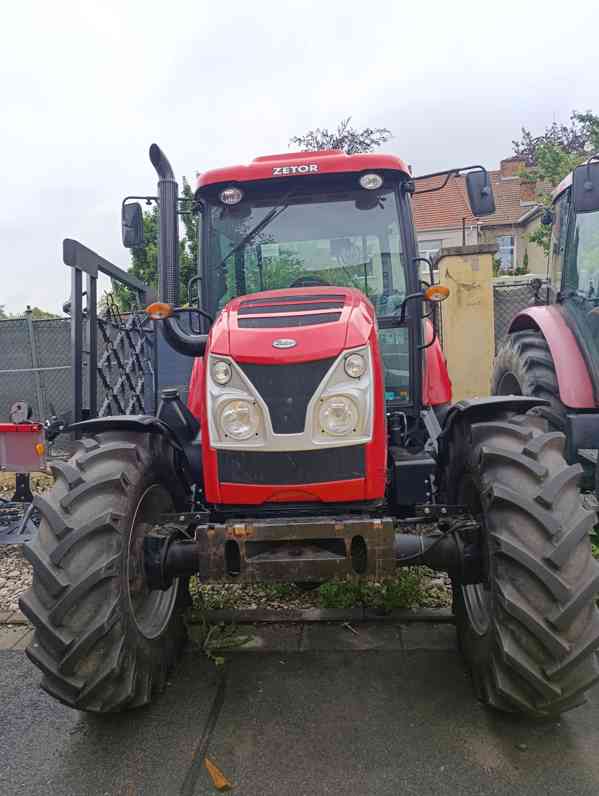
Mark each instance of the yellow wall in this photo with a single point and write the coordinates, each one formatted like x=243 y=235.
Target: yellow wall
x=468 y=323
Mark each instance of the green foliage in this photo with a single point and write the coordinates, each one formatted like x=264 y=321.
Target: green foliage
x=580 y=136
x=542 y=234
x=345 y=137
x=549 y=157
x=36 y=313
x=403 y=590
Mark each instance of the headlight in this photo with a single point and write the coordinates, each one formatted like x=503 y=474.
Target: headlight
x=239 y=419
x=338 y=415
x=355 y=365
x=371 y=181
x=221 y=372
x=231 y=195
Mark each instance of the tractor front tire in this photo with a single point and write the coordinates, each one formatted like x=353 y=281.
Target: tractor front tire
x=528 y=632
x=103 y=641
x=524 y=366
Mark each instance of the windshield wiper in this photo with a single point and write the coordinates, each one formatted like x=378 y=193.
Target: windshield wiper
x=276 y=211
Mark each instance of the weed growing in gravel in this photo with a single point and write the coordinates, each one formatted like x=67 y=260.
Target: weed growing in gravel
x=403 y=590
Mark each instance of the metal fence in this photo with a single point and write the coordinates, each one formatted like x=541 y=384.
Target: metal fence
x=510 y=297
x=35 y=365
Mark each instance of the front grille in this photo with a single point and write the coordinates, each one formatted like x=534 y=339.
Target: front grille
x=264 y=309
x=291 y=467
x=288 y=321
x=287 y=390
x=292 y=299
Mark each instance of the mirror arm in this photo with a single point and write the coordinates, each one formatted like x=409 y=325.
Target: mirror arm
x=190 y=345
x=147 y=199
x=404 y=303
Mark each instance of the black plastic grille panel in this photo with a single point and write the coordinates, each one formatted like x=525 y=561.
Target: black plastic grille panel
x=286 y=390
x=288 y=321
x=295 y=467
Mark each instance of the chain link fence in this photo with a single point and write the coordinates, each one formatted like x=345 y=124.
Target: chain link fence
x=35 y=365
x=511 y=296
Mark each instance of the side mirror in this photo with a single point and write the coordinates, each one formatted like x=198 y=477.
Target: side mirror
x=585 y=186
x=547 y=217
x=132 y=225
x=480 y=193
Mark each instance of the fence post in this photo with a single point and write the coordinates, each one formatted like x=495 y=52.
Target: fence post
x=468 y=327
x=41 y=411
x=92 y=339
x=77 y=343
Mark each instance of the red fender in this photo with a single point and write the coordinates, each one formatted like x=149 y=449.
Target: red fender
x=436 y=384
x=573 y=380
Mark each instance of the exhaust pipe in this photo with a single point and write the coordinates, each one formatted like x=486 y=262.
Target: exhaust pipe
x=168 y=256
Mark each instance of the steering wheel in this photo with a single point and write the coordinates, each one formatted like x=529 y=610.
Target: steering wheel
x=308 y=281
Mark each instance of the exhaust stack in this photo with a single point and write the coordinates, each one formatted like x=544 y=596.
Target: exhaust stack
x=168 y=256
x=168 y=241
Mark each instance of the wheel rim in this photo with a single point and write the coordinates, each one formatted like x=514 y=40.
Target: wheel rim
x=477 y=604
x=509 y=385
x=151 y=610
x=476 y=596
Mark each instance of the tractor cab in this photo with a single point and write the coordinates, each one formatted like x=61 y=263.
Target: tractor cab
x=574 y=256
x=318 y=220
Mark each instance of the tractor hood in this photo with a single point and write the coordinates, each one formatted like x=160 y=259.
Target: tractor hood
x=292 y=325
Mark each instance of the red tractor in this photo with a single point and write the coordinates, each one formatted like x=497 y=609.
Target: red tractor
x=319 y=425
x=552 y=351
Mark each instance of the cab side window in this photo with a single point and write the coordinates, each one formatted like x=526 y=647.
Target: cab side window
x=559 y=234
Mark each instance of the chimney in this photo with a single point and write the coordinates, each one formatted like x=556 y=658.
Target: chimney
x=509 y=167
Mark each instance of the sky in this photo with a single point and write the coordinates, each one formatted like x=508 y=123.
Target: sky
x=85 y=88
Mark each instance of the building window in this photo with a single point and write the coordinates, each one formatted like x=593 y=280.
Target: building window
x=429 y=248
x=505 y=246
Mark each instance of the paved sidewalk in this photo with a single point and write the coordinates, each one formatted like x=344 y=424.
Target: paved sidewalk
x=305 y=709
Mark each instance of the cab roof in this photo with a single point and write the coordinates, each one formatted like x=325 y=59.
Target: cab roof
x=289 y=164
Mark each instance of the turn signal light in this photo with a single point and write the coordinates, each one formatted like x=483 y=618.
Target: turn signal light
x=40 y=448
x=159 y=310
x=436 y=293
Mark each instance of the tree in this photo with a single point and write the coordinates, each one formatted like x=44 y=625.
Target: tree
x=37 y=314
x=345 y=137
x=549 y=157
x=144 y=261
x=580 y=137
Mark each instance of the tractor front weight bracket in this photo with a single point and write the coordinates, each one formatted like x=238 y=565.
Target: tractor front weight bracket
x=305 y=549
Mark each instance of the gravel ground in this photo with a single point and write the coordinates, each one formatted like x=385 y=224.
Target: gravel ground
x=15 y=577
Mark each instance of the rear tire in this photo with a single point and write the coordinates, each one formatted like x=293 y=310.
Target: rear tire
x=524 y=366
x=102 y=640
x=530 y=631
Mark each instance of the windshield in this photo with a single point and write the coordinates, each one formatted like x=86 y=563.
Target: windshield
x=348 y=239
x=582 y=259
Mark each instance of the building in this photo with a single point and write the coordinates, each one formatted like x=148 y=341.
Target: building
x=443 y=218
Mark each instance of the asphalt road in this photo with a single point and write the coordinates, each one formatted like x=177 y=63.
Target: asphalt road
x=387 y=720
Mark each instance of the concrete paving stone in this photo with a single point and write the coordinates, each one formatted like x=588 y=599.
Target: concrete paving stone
x=4 y=616
x=342 y=637
x=25 y=640
x=269 y=638
x=429 y=637
x=379 y=722
x=10 y=635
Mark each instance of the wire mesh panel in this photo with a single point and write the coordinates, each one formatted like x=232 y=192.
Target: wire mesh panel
x=125 y=360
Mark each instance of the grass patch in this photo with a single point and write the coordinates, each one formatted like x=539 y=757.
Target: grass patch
x=403 y=590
